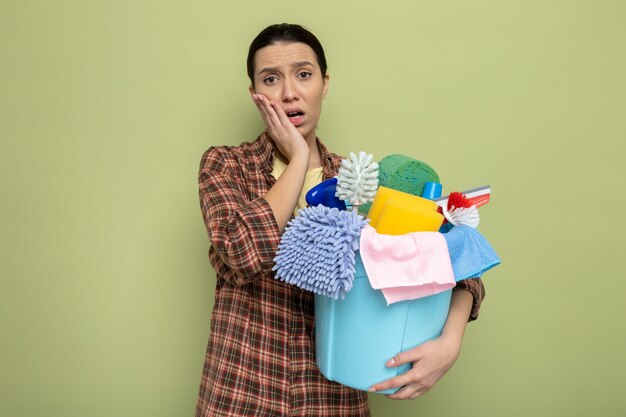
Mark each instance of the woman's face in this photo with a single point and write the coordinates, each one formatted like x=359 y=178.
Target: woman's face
x=288 y=74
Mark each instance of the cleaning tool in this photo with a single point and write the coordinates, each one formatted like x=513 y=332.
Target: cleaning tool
x=461 y=208
x=478 y=197
x=358 y=179
x=408 y=266
x=317 y=250
x=467 y=216
x=432 y=190
x=324 y=193
x=358 y=331
x=395 y=212
x=403 y=173
x=470 y=253
x=385 y=194
x=460 y=211
x=354 y=337
x=399 y=218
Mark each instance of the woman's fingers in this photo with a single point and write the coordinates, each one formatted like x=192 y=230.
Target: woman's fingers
x=276 y=115
x=412 y=385
x=390 y=383
x=282 y=116
x=262 y=105
x=275 y=118
x=286 y=136
x=409 y=392
x=408 y=356
x=418 y=379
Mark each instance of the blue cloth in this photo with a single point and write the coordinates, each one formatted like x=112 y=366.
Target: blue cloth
x=317 y=250
x=470 y=253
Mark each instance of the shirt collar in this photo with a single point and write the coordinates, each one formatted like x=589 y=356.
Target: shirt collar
x=263 y=149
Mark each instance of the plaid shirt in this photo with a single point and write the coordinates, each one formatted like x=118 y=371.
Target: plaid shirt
x=260 y=360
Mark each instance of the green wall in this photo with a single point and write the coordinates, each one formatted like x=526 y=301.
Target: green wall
x=107 y=106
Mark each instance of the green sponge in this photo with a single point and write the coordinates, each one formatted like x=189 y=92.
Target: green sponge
x=403 y=173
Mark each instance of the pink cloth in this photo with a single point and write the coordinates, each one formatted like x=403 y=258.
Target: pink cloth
x=406 y=267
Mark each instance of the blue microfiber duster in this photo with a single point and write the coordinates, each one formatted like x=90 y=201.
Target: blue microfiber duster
x=317 y=250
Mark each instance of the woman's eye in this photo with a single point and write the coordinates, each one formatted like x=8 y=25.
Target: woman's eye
x=270 y=80
x=304 y=74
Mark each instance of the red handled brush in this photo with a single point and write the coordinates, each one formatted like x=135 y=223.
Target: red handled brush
x=462 y=207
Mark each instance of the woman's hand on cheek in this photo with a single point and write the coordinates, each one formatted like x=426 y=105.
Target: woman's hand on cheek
x=431 y=360
x=288 y=139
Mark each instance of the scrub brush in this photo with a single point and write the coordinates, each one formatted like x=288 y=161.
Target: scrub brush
x=460 y=211
x=357 y=179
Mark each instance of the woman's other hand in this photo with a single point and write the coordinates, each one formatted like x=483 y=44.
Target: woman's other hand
x=431 y=360
x=288 y=139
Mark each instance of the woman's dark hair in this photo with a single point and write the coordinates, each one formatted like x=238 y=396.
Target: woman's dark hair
x=288 y=33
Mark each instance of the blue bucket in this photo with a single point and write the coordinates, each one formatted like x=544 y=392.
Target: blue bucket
x=354 y=337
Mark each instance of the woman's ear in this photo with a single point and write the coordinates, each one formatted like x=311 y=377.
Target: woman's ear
x=325 y=82
x=251 y=89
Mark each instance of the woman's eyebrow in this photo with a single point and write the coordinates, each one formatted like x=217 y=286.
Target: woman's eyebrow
x=294 y=65
x=301 y=64
x=268 y=69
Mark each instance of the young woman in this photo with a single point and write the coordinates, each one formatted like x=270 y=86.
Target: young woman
x=260 y=359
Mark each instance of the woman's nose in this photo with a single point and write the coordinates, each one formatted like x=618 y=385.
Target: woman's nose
x=289 y=92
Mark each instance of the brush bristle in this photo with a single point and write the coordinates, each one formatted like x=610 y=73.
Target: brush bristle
x=458 y=200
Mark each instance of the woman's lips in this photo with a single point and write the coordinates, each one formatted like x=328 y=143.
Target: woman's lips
x=296 y=117
x=297 y=120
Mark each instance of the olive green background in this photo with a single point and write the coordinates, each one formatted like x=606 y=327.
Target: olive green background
x=107 y=106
